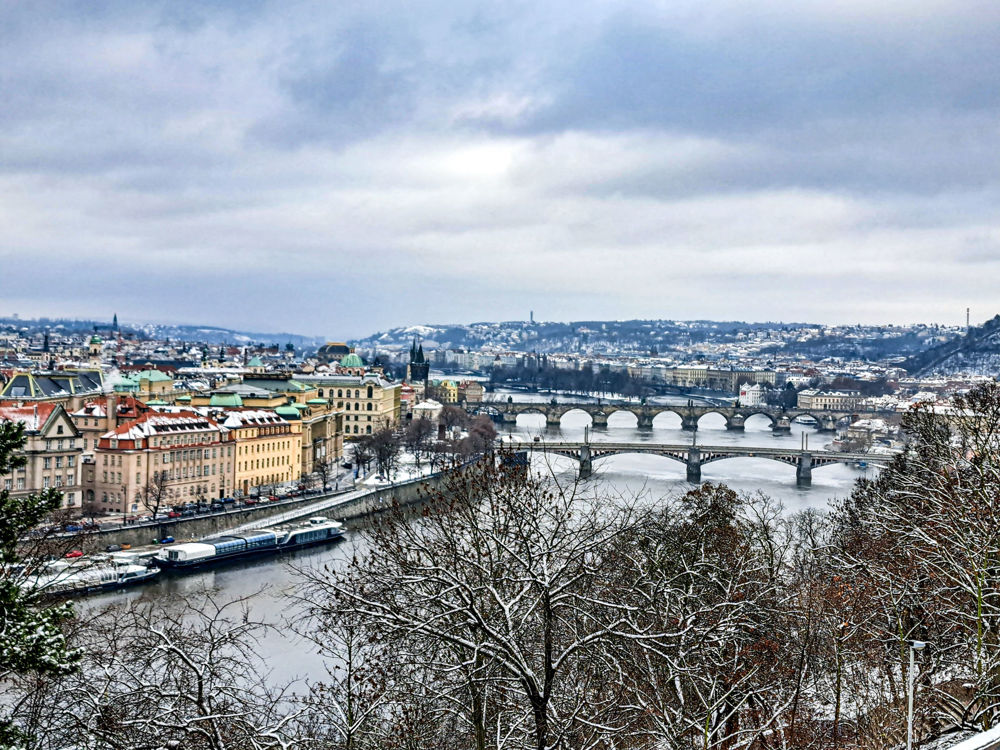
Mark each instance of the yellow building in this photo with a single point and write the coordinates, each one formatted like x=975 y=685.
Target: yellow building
x=445 y=391
x=268 y=448
x=368 y=402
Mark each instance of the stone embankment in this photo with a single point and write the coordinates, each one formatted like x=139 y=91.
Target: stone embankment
x=349 y=507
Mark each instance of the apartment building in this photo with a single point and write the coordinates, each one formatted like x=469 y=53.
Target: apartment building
x=51 y=451
x=180 y=456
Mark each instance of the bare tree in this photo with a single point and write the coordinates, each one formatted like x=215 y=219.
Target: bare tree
x=153 y=496
x=325 y=469
x=453 y=416
x=178 y=676
x=361 y=451
x=499 y=578
x=417 y=437
x=917 y=546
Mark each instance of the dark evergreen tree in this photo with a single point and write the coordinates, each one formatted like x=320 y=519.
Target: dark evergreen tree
x=31 y=637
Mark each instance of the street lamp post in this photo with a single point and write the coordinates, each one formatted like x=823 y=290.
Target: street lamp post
x=914 y=647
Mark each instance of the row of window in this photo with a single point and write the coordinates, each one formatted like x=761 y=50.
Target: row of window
x=70 y=444
x=340 y=393
x=184 y=439
x=57 y=481
x=258 y=447
x=47 y=462
x=202 y=470
x=263 y=463
x=189 y=455
x=357 y=406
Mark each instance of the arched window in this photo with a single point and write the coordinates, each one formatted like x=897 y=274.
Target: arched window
x=321 y=393
x=357 y=394
x=368 y=429
x=340 y=393
x=369 y=406
x=370 y=391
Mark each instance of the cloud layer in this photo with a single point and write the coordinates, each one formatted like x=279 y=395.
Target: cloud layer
x=334 y=170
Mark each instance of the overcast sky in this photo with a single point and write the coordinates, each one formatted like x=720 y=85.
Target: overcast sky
x=336 y=168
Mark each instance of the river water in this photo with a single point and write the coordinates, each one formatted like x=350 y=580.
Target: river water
x=272 y=584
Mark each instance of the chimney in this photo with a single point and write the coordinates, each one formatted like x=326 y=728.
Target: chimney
x=112 y=412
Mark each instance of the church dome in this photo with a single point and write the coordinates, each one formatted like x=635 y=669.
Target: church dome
x=351 y=360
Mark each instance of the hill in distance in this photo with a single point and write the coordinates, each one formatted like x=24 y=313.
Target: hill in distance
x=975 y=353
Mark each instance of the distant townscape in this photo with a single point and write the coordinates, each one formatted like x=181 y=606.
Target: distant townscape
x=125 y=418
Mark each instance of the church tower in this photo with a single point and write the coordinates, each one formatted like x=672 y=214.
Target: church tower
x=418 y=370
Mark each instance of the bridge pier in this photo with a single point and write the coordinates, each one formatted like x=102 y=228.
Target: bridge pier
x=803 y=471
x=781 y=426
x=694 y=465
x=736 y=422
x=553 y=420
x=827 y=424
x=600 y=419
x=509 y=417
x=689 y=423
x=586 y=463
x=645 y=421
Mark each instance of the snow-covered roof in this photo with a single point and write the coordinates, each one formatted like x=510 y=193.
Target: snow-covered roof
x=159 y=423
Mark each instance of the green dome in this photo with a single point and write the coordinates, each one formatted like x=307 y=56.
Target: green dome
x=351 y=360
x=95 y=340
x=287 y=412
x=225 y=399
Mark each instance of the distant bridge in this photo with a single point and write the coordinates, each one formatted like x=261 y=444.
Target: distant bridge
x=696 y=456
x=735 y=416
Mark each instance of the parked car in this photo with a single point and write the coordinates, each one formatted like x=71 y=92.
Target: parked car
x=113 y=548
x=216 y=507
x=228 y=500
x=72 y=554
x=187 y=512
x=167 y=540
x=73 y=527
x=250 y=501
x=174 y=514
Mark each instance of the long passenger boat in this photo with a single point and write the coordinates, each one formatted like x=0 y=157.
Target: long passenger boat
x=255 y=543
x=89 y=575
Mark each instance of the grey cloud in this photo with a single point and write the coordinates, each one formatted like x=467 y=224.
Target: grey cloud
x=392 y=161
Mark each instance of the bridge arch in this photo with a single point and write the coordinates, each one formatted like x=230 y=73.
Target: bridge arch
x=721 y=419
x=671 y=419
x=597 y=454
x=747 y=414
x=558 y=413
x=532 y=413
x=624 y=416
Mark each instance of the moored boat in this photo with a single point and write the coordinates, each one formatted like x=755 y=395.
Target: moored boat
x=89 y=574
x=318 y=530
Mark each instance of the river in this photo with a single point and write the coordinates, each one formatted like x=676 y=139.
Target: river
x=293 y=658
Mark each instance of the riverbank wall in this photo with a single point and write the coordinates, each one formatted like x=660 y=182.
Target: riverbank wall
x=350 y=507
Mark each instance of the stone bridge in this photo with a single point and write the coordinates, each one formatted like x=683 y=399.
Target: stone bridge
x=696 y=456
x=735 y=416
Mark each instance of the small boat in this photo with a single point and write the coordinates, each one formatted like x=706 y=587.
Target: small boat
x=318 y=530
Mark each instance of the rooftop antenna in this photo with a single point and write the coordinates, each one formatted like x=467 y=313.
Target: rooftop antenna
x=967 y=320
